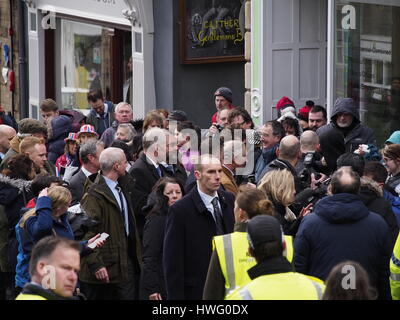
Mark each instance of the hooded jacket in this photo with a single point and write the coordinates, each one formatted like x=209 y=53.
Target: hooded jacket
x=357 y=133
x=342 y=228
x=58 y=129
x=14 y=193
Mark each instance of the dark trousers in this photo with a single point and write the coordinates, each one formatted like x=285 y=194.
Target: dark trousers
x=128 y=290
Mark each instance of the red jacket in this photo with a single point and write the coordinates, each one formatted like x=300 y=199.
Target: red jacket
x=214 y=117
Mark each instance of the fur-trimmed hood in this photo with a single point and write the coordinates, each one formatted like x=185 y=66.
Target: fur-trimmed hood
x=369 y=185
x=20 y=184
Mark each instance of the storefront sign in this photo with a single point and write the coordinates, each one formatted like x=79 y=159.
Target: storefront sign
x=101 y=10
x=211 y=31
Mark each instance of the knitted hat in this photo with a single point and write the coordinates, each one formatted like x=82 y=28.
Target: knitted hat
x=394 y=138
x=177 y=115
x=29 y=126
x=225 y=92
x=303 y=112
x=72 y=136
x=285 y=103
x=87 y=128
x=262 y=229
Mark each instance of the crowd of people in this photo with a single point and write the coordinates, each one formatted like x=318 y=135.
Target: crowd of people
x=299 y=208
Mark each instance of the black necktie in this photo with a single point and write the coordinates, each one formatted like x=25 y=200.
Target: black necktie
x=218 y=216
x=124 y=216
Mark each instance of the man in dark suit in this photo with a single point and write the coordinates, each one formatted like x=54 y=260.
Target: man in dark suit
x=147 y=170
x=191 y=224
x=89 y=153
x=172 y=166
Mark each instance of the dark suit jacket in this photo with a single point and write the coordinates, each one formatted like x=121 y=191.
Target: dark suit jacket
x=145 y=176
x=76 y=186
x=190 y=228
x=179 y=173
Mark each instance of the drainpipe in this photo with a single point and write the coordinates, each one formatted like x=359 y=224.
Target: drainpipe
x=11 y=34
x=22 y=63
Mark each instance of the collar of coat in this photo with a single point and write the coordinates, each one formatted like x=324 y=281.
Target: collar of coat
x=34 y=289
x=270 y=266
x=200 y=206
x=99 y=186
x=20 y=184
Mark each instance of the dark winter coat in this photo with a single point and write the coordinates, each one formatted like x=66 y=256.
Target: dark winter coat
x=342 y=228
x=280 y=164
x=145 y=176
x=357 y=133
x=100 y=125
x=190 y=228
x=152 y=277
x=100 y=205
x=372 y=196
x=14 y=194
x=58 y=129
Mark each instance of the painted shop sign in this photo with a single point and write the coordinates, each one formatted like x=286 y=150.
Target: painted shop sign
x=211 y=31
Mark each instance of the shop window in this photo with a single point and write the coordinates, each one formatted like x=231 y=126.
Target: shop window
x=91 y=57
x=367 y=64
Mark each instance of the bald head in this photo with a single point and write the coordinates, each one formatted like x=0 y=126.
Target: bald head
x=289 y=148
x=109 y=157
x=345 y=180
x=309 y=141
x=7 y=133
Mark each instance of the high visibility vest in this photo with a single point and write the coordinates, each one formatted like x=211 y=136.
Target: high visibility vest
x=234 y=259
x=23 y=296
x=281 y=286
x=395 y=271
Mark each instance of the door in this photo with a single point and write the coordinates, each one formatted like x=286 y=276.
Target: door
x=295 y=53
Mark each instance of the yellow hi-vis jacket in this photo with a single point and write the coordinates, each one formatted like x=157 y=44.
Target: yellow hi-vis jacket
x=281 y=286
x=23 y=296
x=234 y=259
x=395 y=271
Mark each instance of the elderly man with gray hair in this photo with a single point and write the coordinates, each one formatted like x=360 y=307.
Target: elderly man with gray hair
x=112 y=272
x=234 y=156
x=147 y=170
x=123 y=114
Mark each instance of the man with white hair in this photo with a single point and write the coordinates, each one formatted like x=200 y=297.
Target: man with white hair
x=147 y=170
x=123 y=114
x=113 y=271
x=234 y=156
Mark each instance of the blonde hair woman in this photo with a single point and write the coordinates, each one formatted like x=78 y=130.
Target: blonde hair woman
x=49 y=217
x=279 y=186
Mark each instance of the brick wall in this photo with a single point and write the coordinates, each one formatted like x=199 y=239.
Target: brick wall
x=6 y=96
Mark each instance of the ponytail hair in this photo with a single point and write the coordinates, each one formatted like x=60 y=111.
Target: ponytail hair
x=254 y=202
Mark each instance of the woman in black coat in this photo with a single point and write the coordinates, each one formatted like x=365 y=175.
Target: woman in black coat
x=165 y=193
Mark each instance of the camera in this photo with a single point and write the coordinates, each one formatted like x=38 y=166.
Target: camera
x=218 y=126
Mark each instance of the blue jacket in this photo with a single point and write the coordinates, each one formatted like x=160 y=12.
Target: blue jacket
x=58 y=130
x=395 y=202
x=42 y=224
x=267 y=155
x=36 y=228
x=341 y=228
